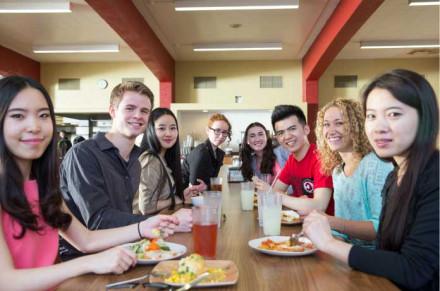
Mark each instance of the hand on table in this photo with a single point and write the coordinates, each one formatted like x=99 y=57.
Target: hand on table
x=317 y=229
x=184 y=215
x=194 y=190
x=165 y=224
x=116 y=260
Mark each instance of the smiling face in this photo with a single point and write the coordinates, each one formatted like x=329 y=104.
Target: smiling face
x=292 y=135
x=336 y=134
x=391 y=125
x=256 y=139
x=130 y=116
x=166 y=131
x=28 y=127
x=217 y=132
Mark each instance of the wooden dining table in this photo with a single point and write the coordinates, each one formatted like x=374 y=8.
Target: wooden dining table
x=257 y=271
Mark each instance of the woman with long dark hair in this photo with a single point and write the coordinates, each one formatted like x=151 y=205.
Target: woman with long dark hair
x=161 y=178
x=32 y=212
x=256 y=153
x=402 y=119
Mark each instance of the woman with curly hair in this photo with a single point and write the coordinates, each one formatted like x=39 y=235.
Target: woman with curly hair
x=358 y=174
x=256 y=153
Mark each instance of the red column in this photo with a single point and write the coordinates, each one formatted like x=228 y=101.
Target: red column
x=13 y=63
x=166 y=94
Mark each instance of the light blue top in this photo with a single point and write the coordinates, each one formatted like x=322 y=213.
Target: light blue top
x=282 y=155
x=359 y=196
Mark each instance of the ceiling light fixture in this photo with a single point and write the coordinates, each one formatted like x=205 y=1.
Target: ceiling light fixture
x=65 y=49
x=36 y=6
x=268 y=46
x=210 y=5
x=400 y=44
x=423 y=2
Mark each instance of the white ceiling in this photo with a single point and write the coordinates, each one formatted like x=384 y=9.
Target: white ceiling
x=394 y=20
x=20 y=32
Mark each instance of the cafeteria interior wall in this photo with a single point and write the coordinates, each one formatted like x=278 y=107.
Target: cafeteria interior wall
x=90 y=98
x=366 y=70
x=239 y=78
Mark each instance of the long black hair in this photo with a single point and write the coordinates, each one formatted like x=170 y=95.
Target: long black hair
x=413 y=90
x=246 y=153
x=44 y=169
x=172 y=155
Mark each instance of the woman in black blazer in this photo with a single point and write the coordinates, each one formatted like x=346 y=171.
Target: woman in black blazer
x=206 y=159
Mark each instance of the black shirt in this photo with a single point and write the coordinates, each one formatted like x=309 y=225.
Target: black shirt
x=98 y=186
x=416 y=264
x=201 y=163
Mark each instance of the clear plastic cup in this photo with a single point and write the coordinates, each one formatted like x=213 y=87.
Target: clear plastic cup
x=205 y=230
x=214 y=199
x=271 y=212
x=247 y=196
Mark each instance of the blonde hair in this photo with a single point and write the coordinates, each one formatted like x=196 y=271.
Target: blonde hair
x=218 y=117
x=134 y=86
x=354 y=119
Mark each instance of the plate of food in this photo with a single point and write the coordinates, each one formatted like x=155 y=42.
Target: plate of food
x=280 y=246
x=185 y=270
x=155 y=250
x=290 y=217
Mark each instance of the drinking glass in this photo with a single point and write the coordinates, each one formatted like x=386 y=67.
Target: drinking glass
x=272 y=203
x=247 y=196
x=205 y=230
x=216 y=183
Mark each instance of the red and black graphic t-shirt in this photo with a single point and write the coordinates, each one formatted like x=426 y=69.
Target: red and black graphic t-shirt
x=304 y=176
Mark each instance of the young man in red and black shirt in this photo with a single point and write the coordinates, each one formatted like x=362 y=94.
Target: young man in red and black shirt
x=311 y=188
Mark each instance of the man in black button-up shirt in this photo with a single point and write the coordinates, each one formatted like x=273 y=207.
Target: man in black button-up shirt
x=100 y=176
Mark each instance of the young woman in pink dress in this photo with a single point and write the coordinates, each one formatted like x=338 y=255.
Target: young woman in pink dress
x=32 y=213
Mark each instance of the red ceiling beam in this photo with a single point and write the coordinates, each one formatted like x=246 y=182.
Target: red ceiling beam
x=124 y=18
x=345 y=21
x=13 y=63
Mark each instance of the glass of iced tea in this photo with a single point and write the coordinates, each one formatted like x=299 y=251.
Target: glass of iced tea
x=205 y=230
x=216 y=183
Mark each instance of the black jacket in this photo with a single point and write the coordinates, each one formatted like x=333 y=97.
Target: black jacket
x=202 y=164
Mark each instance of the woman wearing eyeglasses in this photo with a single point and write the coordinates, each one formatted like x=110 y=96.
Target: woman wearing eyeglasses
x=206 y=159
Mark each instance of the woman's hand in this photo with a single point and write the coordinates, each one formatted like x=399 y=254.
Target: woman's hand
x=159 y=225
x=260 y=184
x=115 y=260
x=184 y=216
x=194 y=190
x=317 y=228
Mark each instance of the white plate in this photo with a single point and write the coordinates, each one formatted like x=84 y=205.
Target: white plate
x=255 y=243
x=176 y=251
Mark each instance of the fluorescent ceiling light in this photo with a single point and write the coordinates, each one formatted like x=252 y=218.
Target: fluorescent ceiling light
x=272 y=46
x=400 y=44
x=64 y=49
x=423 y=2
x=36 y=6
x=209 y=5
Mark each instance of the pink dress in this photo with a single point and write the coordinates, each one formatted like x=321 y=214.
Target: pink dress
x=35 y=249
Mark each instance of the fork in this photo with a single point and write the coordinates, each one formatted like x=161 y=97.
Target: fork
x=193 y=283
x=135 y=281
x=294 y=238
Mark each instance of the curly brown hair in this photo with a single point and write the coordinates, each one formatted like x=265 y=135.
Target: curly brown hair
x=354 y=119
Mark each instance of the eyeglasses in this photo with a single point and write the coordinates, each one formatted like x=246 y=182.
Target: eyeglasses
x=289 y=130
x=218 y=131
